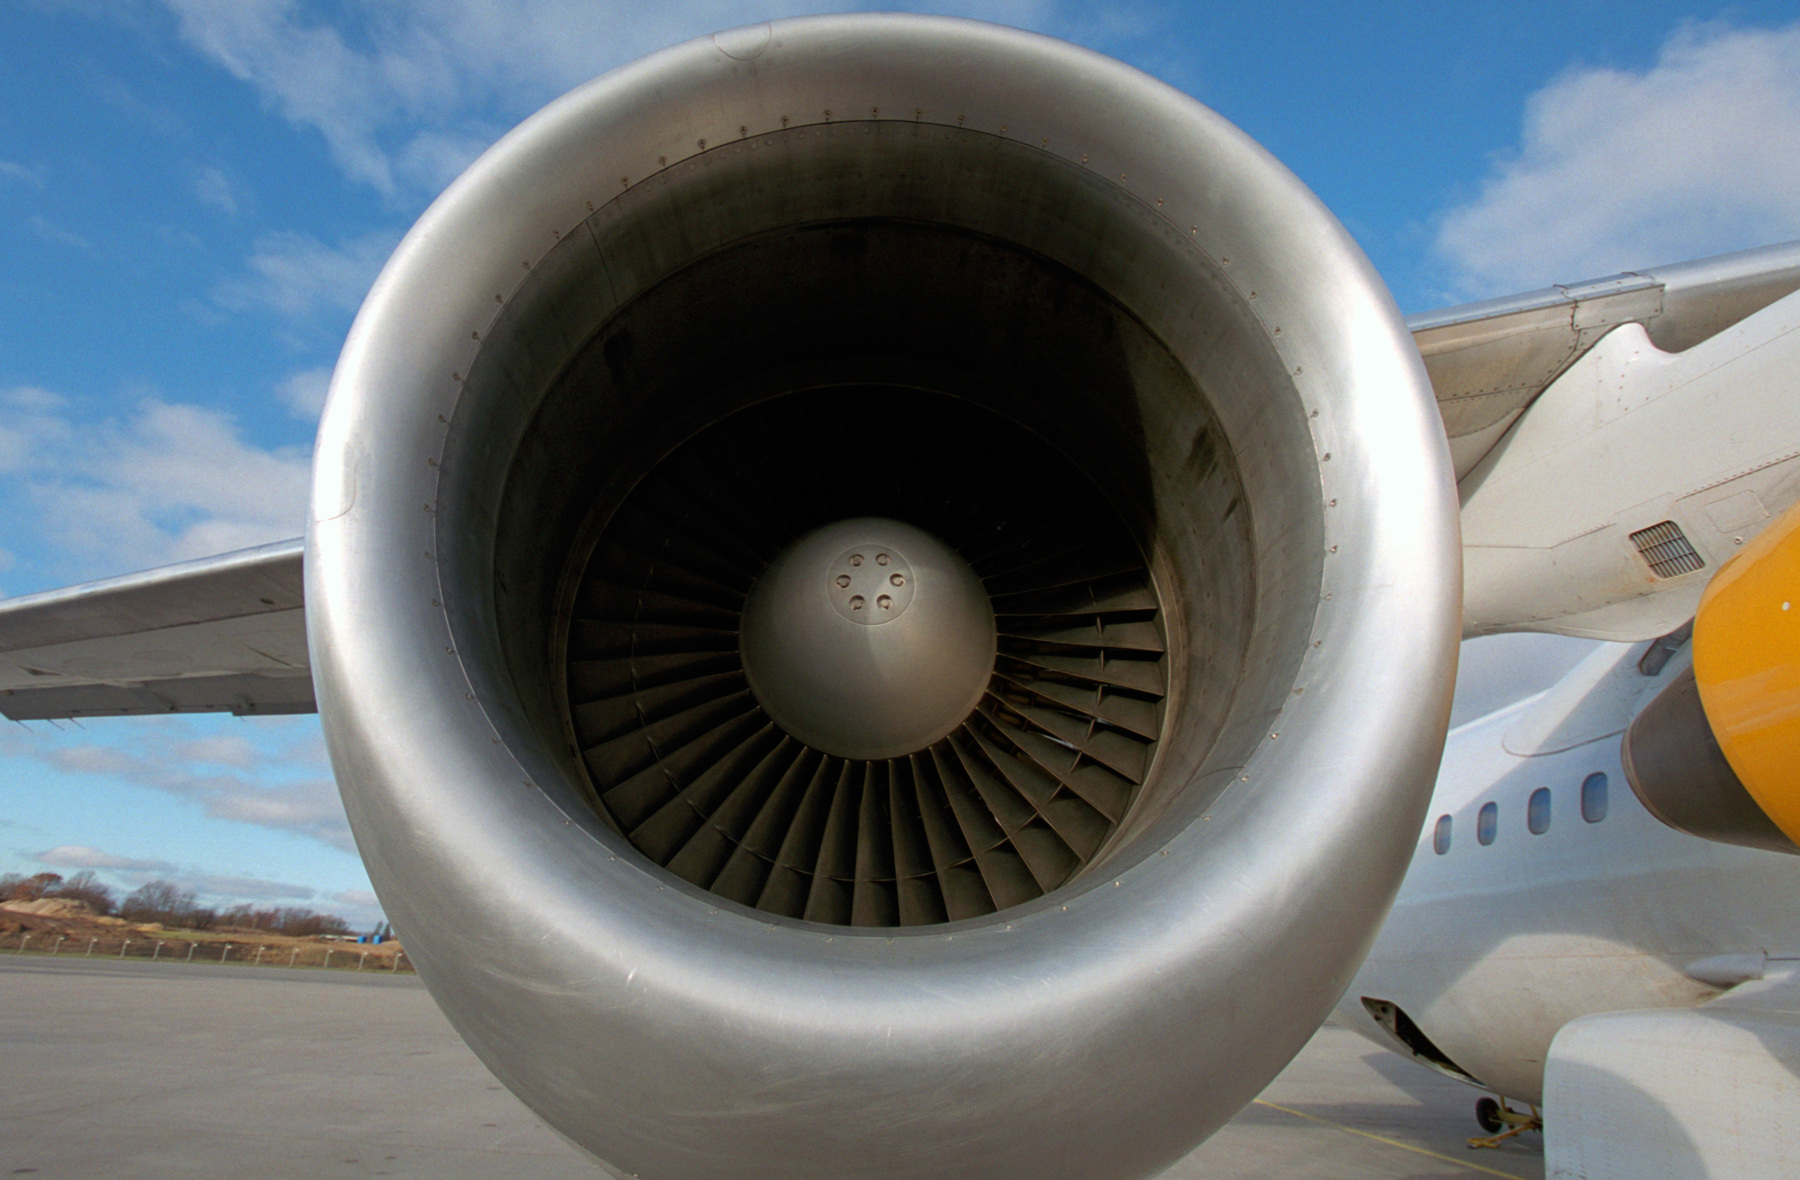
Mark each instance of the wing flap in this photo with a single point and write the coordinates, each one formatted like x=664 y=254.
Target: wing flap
x=223 y=634
x=1489 y=361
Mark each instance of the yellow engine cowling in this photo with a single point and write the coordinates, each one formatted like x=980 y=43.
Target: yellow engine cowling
x=1747 y=667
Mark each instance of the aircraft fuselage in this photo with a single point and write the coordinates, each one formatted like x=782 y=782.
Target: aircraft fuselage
x=1492 y=947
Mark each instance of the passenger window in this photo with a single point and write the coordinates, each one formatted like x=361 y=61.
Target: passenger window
x=1440 y=839
x=1593 y=798
x=1537 y=811
x=1487 y=822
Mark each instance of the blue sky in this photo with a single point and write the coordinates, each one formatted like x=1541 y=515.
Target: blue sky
x=195 y=194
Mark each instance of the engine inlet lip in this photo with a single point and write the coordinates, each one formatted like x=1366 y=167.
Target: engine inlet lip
x=462 y=830
x=381 y=384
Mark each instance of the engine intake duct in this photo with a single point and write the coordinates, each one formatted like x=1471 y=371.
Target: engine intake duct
x=871 y=367
x=1011 y=804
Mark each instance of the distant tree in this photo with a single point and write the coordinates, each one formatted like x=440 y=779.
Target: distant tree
x=84 y=887
x=294 y=921
x=161 y=901
x=16 y=888
x=155 y=897
x=304 y=923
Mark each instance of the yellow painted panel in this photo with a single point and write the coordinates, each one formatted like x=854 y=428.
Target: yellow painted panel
x=1747 y=664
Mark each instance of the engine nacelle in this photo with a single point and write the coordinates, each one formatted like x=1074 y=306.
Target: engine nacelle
x=1713 y=754
x=946 y=323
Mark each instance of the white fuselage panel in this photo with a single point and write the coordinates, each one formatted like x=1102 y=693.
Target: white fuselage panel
x=1491 y=948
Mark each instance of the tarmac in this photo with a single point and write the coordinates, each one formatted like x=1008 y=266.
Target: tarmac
x=134 y=1069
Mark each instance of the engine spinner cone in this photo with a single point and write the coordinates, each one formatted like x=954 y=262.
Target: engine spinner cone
x=868 y=639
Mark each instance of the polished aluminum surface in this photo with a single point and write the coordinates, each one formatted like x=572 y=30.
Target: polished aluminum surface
x=1101 y=1030
x=868 y=638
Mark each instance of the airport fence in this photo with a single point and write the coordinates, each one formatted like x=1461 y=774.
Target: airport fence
x=245 y=953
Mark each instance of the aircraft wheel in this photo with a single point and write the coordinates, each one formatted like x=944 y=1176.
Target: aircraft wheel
x=1487 y=1113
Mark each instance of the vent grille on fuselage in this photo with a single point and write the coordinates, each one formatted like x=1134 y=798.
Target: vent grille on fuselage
x=1667 y=551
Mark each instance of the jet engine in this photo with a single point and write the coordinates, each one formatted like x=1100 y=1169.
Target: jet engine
x=884 y=596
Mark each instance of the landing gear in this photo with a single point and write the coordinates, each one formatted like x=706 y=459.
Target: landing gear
x=1487 y=1113
x=1500 y=1122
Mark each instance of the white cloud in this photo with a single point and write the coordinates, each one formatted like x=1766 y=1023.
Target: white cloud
x=80 y=856
x=309 y=808
x=303 y=69
x=1619 y=169
x=360 y=907
x=32 y=400
x=212 y=187
x=220 y=750
x=304 y=393
x=14 y=171
x=230 y=889
x=166 y=483
x=94 y=760
x=217 y=890
x=294 y=274
x=49 y=231
x=159 y=120
x=432 y=159
x=405 y=93
x=276 y=776
x=260 y=786
x=29 y=418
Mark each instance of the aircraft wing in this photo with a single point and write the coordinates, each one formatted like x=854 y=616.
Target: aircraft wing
x=222 y=634
x=1489 y=361
x=1617 y=441
x=228 y=633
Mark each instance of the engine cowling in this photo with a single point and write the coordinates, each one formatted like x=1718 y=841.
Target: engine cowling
x=834 y=311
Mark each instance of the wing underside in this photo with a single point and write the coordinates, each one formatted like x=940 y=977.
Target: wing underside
x=224 y=634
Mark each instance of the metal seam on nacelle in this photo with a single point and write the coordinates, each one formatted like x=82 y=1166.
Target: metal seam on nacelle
x=664 y=168
x=555 y=992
